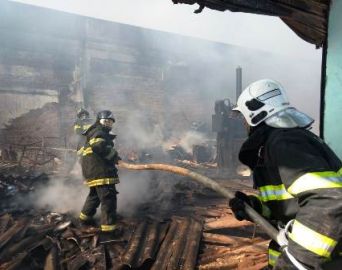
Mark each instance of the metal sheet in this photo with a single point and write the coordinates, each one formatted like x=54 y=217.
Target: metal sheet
x=144 y=244
x=180 y=246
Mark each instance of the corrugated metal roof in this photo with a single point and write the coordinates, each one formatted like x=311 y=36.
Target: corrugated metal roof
x=144 y=244
x=180 y=246
x=307 y=18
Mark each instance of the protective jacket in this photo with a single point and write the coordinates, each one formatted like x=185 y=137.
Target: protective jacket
x=80 y=127
x=98 y=157
x=299 y=178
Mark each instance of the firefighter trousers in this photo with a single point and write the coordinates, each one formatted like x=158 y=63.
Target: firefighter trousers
x=105 y=196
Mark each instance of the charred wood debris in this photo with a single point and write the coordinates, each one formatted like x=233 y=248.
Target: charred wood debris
x=198 y=230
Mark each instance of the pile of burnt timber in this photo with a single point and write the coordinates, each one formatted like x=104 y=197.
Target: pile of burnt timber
x=17 y=182
x=231 y=244
x=53 y=241
x=197 y=232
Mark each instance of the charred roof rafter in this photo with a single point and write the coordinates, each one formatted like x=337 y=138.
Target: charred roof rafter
x=307 y=18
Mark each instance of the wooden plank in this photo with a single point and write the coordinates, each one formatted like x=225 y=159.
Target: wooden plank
x=225 y=222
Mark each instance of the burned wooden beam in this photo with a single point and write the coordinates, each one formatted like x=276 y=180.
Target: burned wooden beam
x=231 y=257
x=224 y=239
x=225 y=222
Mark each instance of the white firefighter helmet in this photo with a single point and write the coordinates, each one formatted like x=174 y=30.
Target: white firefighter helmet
x=266 y=100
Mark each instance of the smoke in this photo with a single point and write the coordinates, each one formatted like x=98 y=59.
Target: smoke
x=135 y=189
x=253 y=31
x=190 y=139
x=157 y=83
x=190 y=73
x=141 y=192
x=138 y=132
x=61 y=194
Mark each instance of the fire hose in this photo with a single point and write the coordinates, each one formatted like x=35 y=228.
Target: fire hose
x=209 y=183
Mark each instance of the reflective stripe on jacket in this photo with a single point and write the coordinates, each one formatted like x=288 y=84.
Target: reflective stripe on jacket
x=81 y=125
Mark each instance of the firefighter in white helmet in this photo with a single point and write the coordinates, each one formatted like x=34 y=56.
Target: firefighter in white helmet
x=298 y=176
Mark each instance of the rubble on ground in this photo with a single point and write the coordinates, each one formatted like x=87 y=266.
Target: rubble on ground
x=197 y=231
x=15 y=183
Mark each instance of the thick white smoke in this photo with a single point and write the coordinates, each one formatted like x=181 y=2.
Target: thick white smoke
x=62 y=194
x=212 y=70
x=191 y=138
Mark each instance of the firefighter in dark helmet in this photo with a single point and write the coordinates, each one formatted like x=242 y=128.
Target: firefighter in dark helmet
x=98 y=159
x=82 y=123
x=298 y=176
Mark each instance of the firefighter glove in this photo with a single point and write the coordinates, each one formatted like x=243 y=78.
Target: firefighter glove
x=237 y=204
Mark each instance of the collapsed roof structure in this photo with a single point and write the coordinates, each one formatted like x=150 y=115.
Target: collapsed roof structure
x=307 y=18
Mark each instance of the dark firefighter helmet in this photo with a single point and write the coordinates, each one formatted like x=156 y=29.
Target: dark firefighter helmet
x=82 y=113
x=105 y=115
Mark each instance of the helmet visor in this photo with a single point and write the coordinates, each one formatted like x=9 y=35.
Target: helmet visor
x=289 y=118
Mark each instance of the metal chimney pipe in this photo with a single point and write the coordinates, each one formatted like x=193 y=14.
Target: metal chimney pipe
x=238 y=82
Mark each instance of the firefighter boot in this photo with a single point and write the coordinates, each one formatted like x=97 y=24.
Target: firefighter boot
x=112 y=236
x=87 y=223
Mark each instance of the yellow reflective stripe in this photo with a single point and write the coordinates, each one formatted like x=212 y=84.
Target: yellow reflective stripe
x=96 y=140
x=315 y=242
x=102 y=181
x=274 y=193
x=87 y=151
x=84 y=217
x=80 y=152
x=108 y=228
x=82 y=127
x=316 y=180
x=273 y=256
